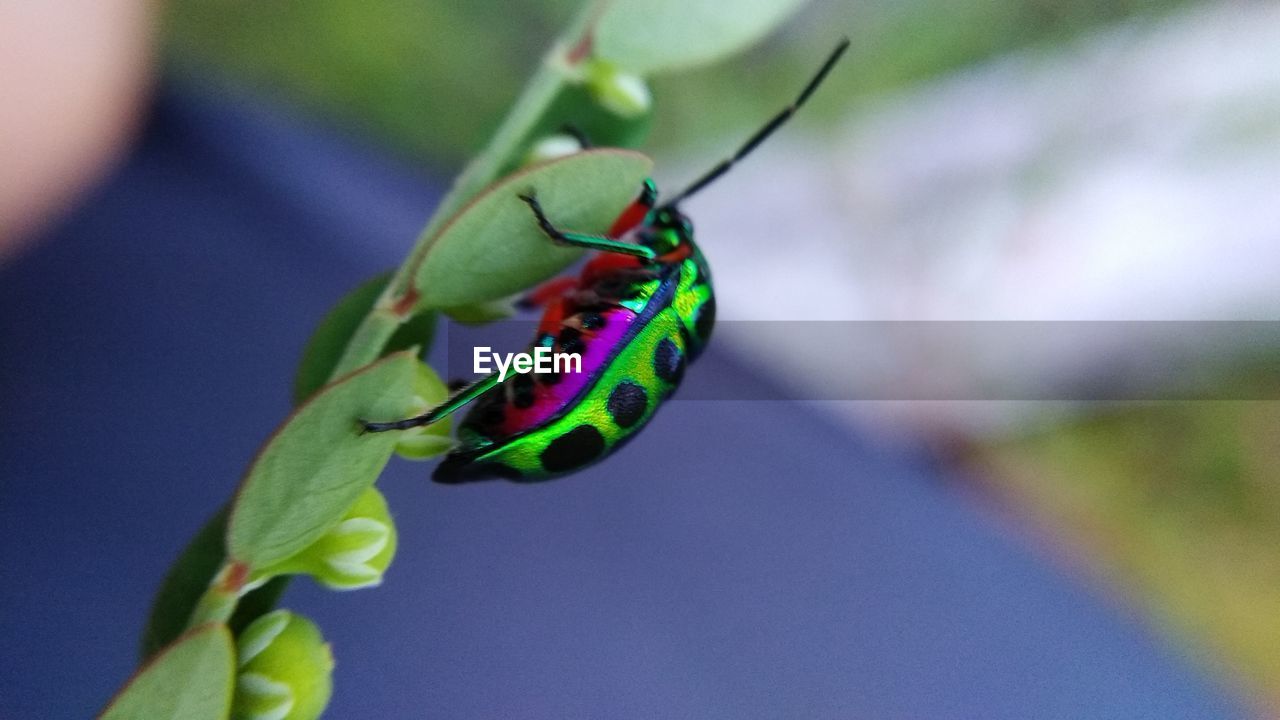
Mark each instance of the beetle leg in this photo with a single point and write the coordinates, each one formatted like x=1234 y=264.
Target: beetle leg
x=439 y=412
x=606 y=264
x=590 y=242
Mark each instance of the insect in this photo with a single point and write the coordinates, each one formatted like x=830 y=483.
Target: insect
x=638 y=313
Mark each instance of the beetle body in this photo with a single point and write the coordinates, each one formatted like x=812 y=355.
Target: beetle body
x=638 y=314
x=636 y=324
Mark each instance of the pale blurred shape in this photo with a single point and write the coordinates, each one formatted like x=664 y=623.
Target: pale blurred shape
x=1132 y=175
x=72 y=77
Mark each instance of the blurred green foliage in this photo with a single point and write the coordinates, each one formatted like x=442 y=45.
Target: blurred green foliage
x=432 y=79
x=1179 y=504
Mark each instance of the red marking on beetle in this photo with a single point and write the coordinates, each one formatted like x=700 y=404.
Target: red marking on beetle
x=604 y=265
x=550 y=400
x=631 y=217
x=681 y=252
x=542 y=295
x=553 y=317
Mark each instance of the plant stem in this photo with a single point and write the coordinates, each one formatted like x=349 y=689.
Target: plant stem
x=398 y=304
x=219 y=601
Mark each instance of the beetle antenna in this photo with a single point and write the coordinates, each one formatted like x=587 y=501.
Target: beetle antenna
x=760 y=135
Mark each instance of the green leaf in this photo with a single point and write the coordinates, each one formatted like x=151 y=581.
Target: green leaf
x=186 y=582
x=316 y=464
x=493 y=247
x=426 y=442
x=481 y=313
x=330 y=339
x=417 y=332
x=648 y=36
x=192 y=679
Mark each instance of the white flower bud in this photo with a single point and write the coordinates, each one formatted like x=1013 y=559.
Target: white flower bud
x=621 y=93
x=353 y=554
x=284 y=669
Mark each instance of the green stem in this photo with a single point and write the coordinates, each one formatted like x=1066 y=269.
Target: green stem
x=398 y=304
x=507 y=144
x=372 y=335
x=218 y=602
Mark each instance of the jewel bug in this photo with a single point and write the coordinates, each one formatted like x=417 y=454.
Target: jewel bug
x=638 y=313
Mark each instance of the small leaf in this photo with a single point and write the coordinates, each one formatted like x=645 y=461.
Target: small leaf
x=187 y=581
x=329 y=339
x=648 y=36
x=482 y=313
x=493 y=247
x=192 y=679
x=428 y=441
x=184 y=584
x=316 y=465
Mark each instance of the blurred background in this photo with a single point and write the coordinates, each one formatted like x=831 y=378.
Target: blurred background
x=973 y=160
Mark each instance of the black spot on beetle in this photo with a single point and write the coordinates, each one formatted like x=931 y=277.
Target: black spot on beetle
x=460 y=468
x=627 y=404
x=492 y=415
x=668 y=361
x=522 y=390
x=573 y=449
x=488 y=410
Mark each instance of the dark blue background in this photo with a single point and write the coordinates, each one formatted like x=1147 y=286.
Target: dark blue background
x=739 y=559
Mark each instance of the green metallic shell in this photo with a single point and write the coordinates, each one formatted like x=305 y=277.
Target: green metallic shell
x=623 y=396
x=531 y=453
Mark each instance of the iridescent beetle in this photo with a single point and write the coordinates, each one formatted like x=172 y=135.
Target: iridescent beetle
x=638 y=313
